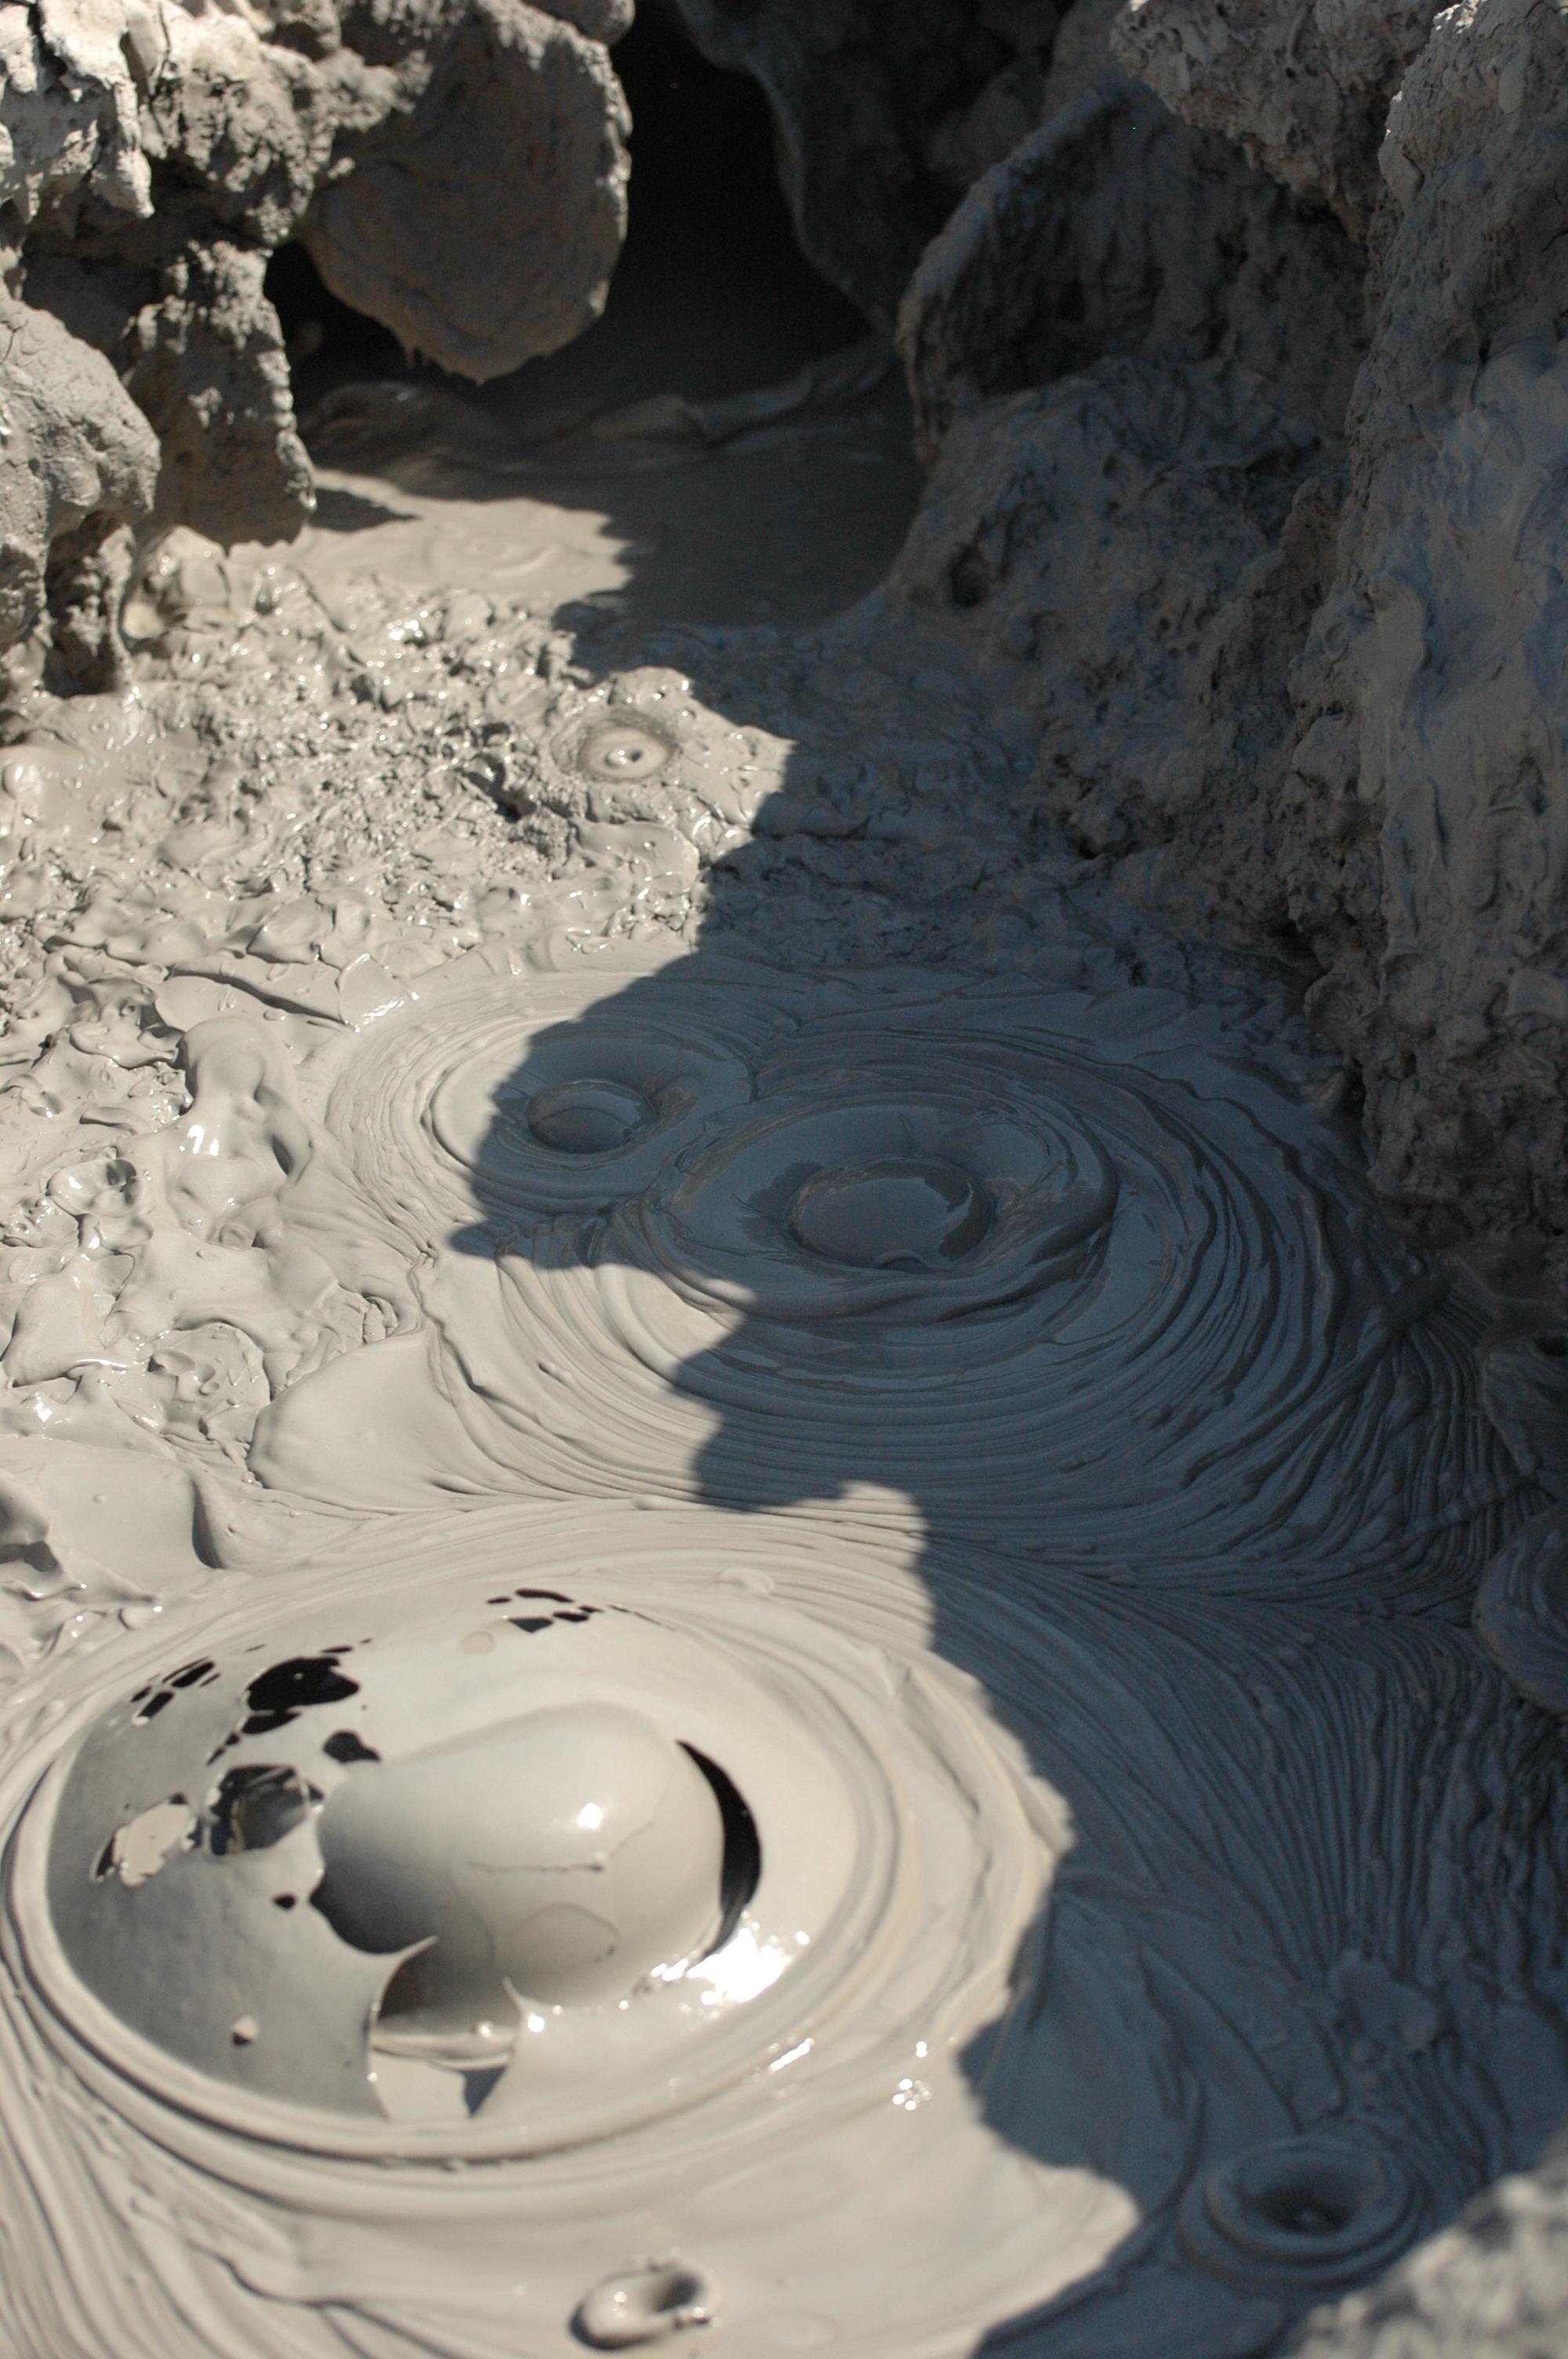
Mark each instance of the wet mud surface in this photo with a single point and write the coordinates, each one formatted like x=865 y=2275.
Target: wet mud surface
x=738 y=1567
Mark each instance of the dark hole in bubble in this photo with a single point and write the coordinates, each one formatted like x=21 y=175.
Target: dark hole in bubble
x=673 y=2290
x=190 y=1674
x=285 y=1689
x=344 y=1746
x=283 y=1900
x=1303 y=2209
x=154 y=1705
x=1553 y=1347
x=257 y=1804
x=477 y=2086
x=742 y=1845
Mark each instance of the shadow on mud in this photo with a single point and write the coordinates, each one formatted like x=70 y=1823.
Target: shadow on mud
x=1190 y=1443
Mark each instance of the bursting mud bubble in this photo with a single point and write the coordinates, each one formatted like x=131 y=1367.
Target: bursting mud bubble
x=756 y=1592
x=988 y=1900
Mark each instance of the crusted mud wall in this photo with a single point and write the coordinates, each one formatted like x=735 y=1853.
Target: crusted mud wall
x=1425 y=813
x=1305 y=92
x=457 y=169
x=1303 y=691
x=1416 y=836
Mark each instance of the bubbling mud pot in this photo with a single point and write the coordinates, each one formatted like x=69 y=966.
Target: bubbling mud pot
x=736 y=1567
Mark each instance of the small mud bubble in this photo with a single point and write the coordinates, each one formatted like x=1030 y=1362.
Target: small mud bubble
x=619 y=749
x=1321 y=2210
x=646 y=2303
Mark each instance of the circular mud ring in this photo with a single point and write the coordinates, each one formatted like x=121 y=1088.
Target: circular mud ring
x=215 y=1885
x=766 y=1234
x=1321 y=2210
x=619 y=750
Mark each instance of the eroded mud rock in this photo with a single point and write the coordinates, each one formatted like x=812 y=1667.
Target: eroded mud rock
x=457 y=167
x=1117 y=229
x=1124 y=553
x=1420 y=827
x=78 y=463
x=1305 y=90
x=419 y=235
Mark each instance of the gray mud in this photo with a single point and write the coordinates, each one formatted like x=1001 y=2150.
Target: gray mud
x=599 y=1207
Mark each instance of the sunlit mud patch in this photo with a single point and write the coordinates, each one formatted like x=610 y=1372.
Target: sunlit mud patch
x=589 y=1850
x=1072 y=1272
x=568 y=1919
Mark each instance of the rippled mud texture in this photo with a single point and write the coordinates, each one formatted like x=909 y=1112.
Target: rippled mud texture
x=1201 y=2060
x=965 y=1243
x=749 y=1603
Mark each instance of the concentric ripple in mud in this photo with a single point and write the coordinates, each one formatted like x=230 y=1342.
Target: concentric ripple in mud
x=1070 y=1272
x=1120 y=1963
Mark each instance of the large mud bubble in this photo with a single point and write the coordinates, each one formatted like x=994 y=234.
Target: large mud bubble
x=1013 y=1911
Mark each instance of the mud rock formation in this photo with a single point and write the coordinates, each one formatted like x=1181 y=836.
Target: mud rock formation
x=1423 y=831
x=1135 y=550
x=78 y=463
x=1117 y=229
x=478 y=276
x=1101 y=548
x=1354 y=749
x=1495 y=2286
x=1305 y=90
x=159 y=152
x=884 y=111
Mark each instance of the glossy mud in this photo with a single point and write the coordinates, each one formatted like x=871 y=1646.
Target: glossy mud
x=737 y=1564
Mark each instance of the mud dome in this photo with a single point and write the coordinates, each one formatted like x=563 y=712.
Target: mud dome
x=748 y=1606
x=913 y=1751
